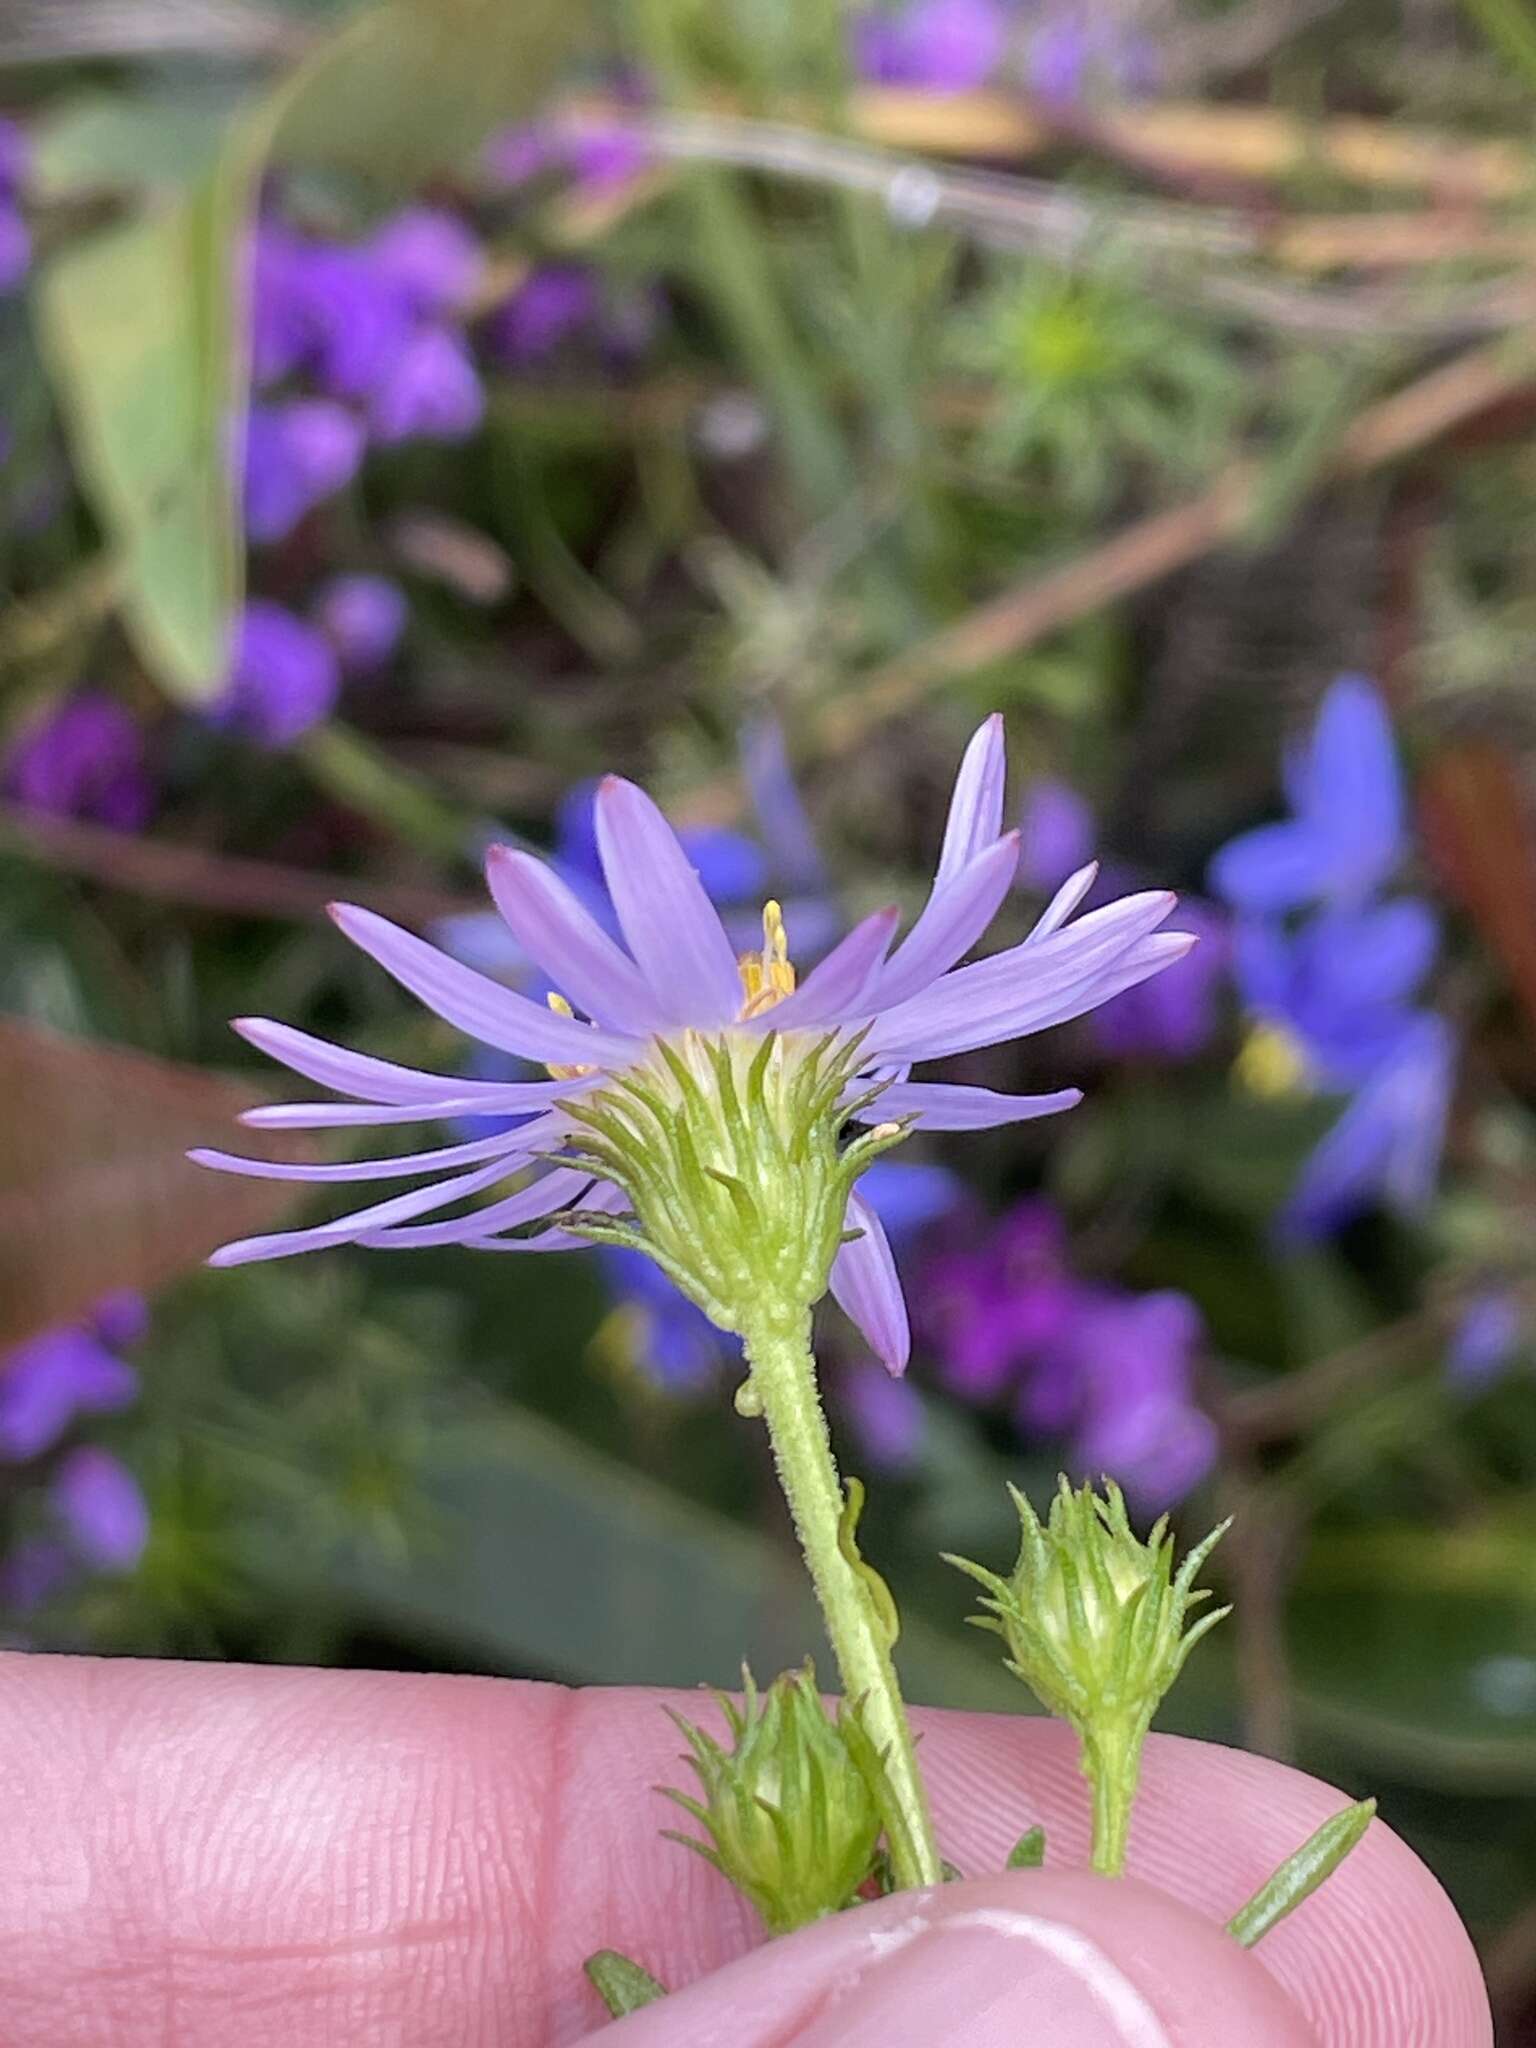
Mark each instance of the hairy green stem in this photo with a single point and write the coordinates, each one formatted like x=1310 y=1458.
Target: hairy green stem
x=784 y=1381
x=1112 y=1766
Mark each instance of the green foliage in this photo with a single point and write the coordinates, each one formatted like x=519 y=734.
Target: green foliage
x=1093 y=371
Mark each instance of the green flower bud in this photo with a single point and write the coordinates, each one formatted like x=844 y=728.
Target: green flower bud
x=729 y=1151
x=791 y=1819
x=1094 y=1620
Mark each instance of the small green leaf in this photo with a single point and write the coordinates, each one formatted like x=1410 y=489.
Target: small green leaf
x=1028 y=1852
x=621 y=1984
x=1300 y=1875
x=847 y=1542
x=143 y=329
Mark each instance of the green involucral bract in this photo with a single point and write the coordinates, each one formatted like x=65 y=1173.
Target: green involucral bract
x=791 y=1818
x=1094 y=1620
x=729 y=1150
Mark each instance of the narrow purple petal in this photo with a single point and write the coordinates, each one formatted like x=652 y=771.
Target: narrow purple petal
x=954 y=918
x=943 y=1106
x=1354 y=786
x=976 y=808
x=554 y=927
x=1064 y=902
x=281 y=1244
x=475 y=1004
x=381 y=1081
x=331 y=1116
x=1032 y=986
x=505 y=1145
x=559 y=1189
x=867 y=1289
x=668 y=922
x=834 y=989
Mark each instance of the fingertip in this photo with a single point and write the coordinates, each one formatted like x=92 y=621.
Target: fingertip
x=1062 y=1959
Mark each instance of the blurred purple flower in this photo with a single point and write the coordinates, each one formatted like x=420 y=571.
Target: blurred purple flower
x=298 y=452
x=283 y=327
x=1175 y=1016
x=1485 y=1341
x=430 y=257
x=99 y=1502
x=887 y=1416
x=15 y=157
x=661 y=1331
x=553 y=302
x=15 y=247
x=432 y=392
x=1111 y=1371
x=1056 y=835
x=83 y=758
x=33 y=1572
x=47 y=1386
x=360 y=318
x=1334 y=993
x=15 y=240
x=1071 y=50
x=49 y=1382
x=1387 y=1143
x=1346 y=834
x=596 y=155
x=283 y=680
x=363 y=617
x=934 y=45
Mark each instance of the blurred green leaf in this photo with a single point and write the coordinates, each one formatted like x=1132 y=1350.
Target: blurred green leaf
x=95 y=1193
x=143 y=328
x=551 y=1556
x=106 y=139
x=413 y=86
x=1417 y=1646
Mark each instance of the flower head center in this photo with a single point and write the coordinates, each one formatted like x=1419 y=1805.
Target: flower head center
x=767 y=977
x=1273 y=1063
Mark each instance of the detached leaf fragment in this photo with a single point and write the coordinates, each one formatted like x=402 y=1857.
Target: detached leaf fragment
x=1300 y=1875
x=620 y=1983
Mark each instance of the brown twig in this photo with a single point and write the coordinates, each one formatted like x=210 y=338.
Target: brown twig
x=197 y=876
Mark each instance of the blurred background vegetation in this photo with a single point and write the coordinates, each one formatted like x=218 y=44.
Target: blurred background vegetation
x=412 y=410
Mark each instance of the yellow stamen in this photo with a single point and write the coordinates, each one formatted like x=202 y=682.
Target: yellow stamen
x=1272 y=1063
x=767 y=977
x=562 y=1008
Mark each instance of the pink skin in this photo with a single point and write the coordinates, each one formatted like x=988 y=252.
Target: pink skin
x=289 y=1859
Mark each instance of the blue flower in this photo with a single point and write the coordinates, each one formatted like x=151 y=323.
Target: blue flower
x=1345 y=835
x=1485 y=1340
x=1388 y=1141
x=1333 y=990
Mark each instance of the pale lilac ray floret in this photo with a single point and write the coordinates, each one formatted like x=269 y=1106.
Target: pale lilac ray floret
x=675 y=974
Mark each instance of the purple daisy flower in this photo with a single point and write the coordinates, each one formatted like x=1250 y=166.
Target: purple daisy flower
x=676 y=979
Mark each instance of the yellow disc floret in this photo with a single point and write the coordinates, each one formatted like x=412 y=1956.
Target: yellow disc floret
x=767 y=977
x=1273 y=1063
x=562 y=1008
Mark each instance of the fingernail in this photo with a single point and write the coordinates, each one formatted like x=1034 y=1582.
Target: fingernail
x=1055 y=1962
